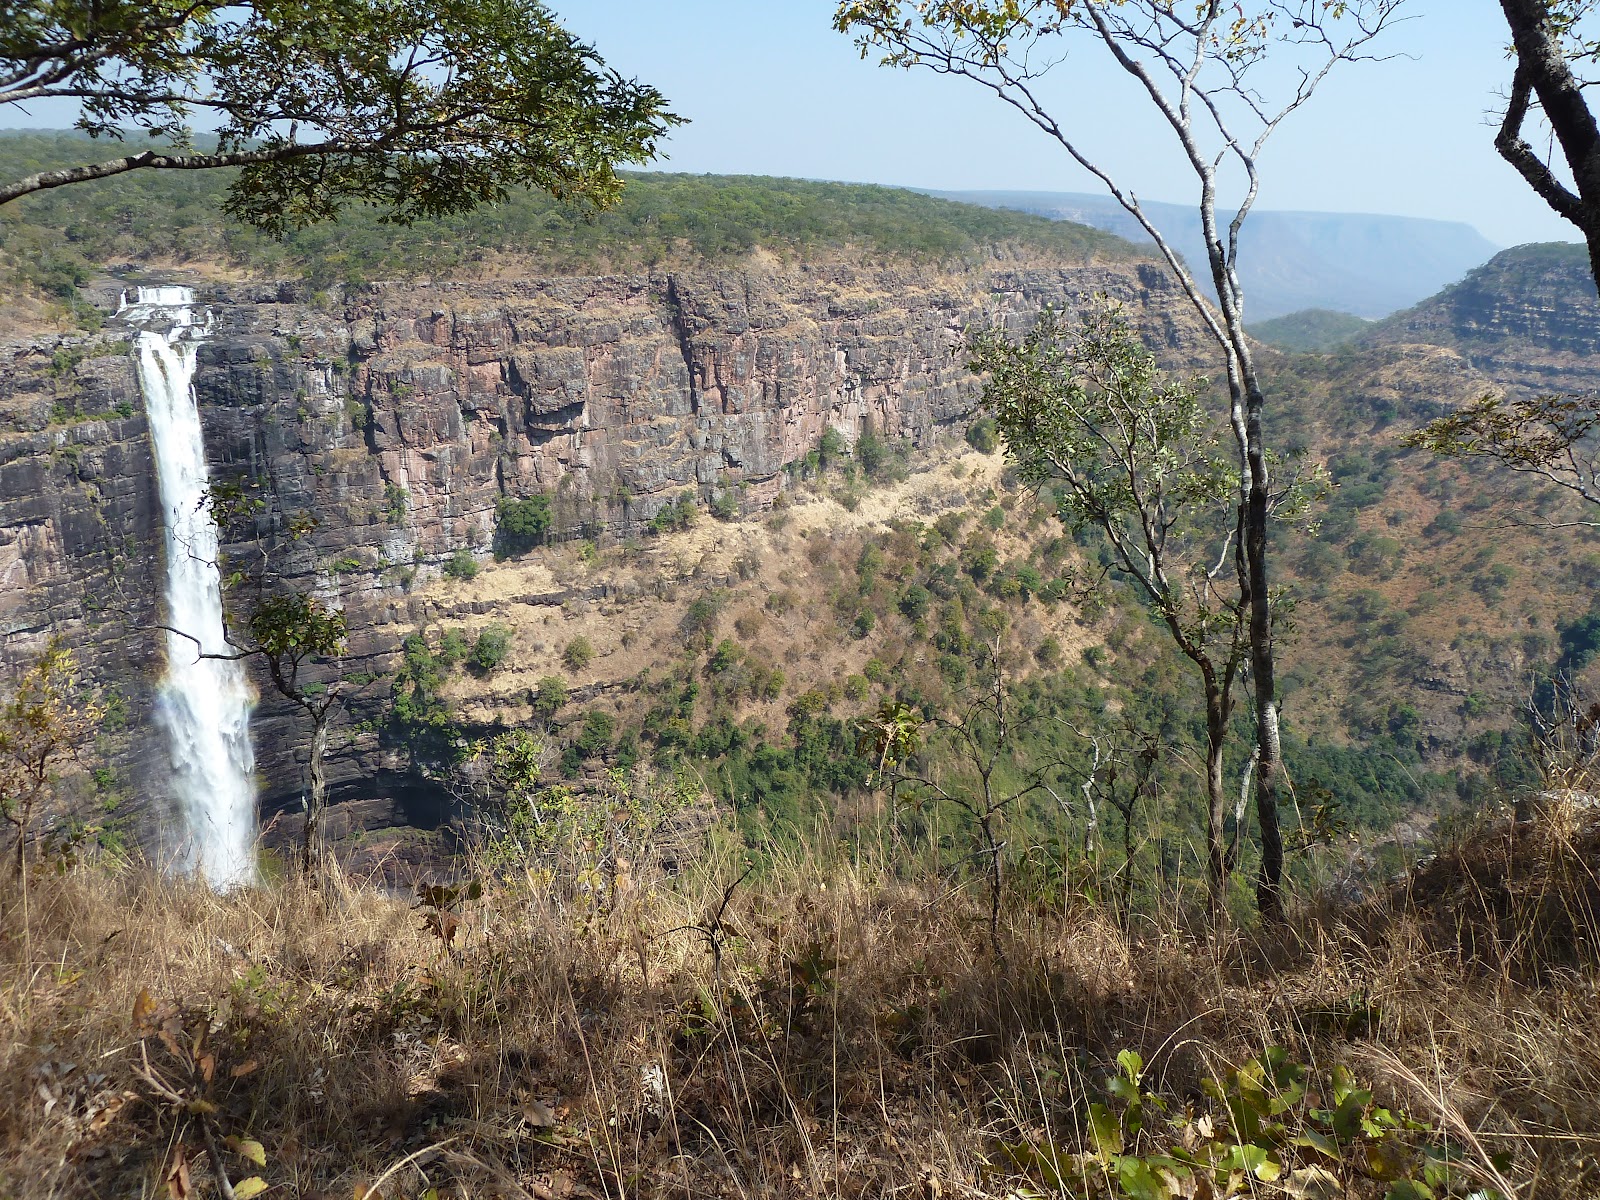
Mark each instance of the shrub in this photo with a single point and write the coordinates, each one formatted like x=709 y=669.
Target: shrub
x=914 y=602
x=864 y=624
x=578 y=654
x=550 y=696
x=520 y=525
x=491 y=648
x=727 y=656
x=453 y=648
x=396 y=503
x=980 y=558
x=461 y=565
x=983 y=435
x=701 y=618
x=675 y=514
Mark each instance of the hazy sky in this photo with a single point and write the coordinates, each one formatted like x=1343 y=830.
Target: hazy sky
x=772 y=90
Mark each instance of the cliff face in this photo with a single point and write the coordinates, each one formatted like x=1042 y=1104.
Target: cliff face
x=1530 y=318
x=399 y=415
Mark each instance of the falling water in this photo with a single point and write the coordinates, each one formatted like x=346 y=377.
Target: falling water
x=205 y=702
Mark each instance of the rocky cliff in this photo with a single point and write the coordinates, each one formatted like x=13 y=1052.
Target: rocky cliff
x=399 y=415
x=1530 y=318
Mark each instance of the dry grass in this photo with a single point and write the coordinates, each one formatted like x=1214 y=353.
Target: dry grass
x=837 y=1033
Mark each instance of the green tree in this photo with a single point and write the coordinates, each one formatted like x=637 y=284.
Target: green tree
x=520 y=525
x=1087 y=411
x=418 y=109
x=44 y=724
x=1222 y=77
x=550 y=697
x=490 y=650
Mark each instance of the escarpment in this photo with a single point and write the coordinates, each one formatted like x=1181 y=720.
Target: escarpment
x=398 y=416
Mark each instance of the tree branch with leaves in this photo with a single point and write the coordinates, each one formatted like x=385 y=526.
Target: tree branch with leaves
x=417 y=109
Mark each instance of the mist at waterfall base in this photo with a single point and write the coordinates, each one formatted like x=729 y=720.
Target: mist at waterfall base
x=204 y=704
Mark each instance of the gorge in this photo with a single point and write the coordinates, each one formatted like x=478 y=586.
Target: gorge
x=394 y=419
x=399 y=415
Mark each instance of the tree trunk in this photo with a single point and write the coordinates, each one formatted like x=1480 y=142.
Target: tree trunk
x=1544 y=67
x=1263 y=660
x=1218 y=868
x=311 y=849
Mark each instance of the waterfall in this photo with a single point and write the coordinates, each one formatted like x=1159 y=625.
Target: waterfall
x=205 y=703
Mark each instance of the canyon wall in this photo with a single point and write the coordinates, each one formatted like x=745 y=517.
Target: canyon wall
x=397 y=416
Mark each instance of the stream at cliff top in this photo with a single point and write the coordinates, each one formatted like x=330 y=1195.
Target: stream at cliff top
x=204 y=706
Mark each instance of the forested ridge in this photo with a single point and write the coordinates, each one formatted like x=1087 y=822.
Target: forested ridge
x=53 y=239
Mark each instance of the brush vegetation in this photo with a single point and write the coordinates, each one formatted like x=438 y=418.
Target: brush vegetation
x=836 y=1025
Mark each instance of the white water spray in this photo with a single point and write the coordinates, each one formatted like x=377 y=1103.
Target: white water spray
x=205 y=702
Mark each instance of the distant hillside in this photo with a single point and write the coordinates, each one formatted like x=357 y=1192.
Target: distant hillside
x=1530 y=314
x=1311 y=329
x=1357 y=263
x=51 y=239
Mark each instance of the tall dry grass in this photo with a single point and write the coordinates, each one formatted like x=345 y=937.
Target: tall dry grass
x=829 y=1031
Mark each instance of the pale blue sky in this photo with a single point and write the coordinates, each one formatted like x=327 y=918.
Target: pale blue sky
x=772 y=90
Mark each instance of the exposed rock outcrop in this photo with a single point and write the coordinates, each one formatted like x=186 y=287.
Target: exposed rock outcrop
x=399 y=415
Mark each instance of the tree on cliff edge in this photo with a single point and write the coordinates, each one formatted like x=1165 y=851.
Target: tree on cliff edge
x=417 y=108
x=1207 y=68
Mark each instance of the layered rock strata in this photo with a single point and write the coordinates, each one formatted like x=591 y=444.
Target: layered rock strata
x=399 y=415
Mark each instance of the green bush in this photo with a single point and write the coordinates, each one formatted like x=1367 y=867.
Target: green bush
x=578 y=654
x=674 y=515
x=453 y=649
x=461 y=565
x=550 y=696
x=491 y=648
x=914 y=602
x=520 y=525
x=983 y=435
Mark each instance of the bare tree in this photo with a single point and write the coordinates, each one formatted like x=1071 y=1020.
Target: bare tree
x=969 y=761
x=1206 y=67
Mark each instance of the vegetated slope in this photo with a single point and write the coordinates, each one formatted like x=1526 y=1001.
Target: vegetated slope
x=171 y=217
x=1309 y=330
x=1424 y=610
x=1358 y=263
x=1530 y=317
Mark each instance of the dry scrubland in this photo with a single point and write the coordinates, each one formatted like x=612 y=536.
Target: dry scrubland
x=827 y=1029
